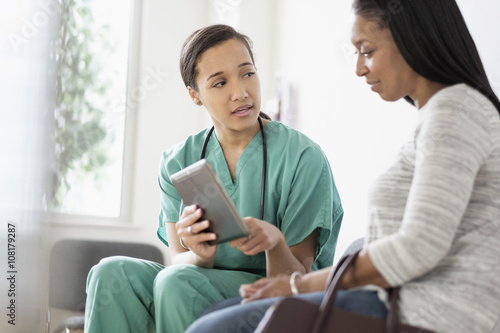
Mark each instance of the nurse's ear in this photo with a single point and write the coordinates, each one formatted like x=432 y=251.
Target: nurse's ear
x=194 y=96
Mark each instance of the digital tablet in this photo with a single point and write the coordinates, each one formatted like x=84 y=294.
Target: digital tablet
x=198 y=185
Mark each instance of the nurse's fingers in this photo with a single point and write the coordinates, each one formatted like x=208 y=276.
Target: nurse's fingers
x=195 y=228
x=238 y=242
x=189 y=234
x=188 y=210
x=192 y=240
x=188 y=217
x=204 y=237
x=254 y=246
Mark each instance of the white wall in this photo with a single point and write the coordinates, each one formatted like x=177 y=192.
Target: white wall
x=359 y=133
x=304 y=40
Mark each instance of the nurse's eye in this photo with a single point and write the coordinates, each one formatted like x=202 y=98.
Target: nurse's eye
x=249 y=74
x=219 y=84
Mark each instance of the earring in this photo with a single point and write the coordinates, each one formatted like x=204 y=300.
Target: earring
x=198 y=103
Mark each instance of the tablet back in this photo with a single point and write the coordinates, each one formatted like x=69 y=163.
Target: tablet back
x=198 y=185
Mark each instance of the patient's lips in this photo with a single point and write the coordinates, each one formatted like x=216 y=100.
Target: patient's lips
x=373 y=84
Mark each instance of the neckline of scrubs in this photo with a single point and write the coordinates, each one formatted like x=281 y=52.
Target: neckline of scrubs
x=220 y=160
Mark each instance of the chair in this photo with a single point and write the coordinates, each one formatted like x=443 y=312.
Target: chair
x=70 y=262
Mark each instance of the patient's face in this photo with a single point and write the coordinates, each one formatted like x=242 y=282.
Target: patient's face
x=380 y=62
x=228 y=85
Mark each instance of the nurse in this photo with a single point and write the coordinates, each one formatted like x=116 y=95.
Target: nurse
x=279 y=180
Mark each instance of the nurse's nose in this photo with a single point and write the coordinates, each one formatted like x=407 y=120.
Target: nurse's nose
x=238 y=92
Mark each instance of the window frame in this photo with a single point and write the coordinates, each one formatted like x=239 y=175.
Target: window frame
x=124 y=219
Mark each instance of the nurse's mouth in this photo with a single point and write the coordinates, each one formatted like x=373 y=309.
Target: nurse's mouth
x=243 y=111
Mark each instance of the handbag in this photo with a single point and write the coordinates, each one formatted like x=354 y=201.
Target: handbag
x=300 y=316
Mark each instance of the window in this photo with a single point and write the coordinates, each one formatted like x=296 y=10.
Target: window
x=91 y=51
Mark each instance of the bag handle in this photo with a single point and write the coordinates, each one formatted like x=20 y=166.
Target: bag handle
x=334 y=278
x=392 y=322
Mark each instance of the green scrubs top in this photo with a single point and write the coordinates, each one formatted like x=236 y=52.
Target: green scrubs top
x=300 y=191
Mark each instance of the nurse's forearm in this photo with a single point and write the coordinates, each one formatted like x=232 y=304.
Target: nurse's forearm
x=283 y=259
x=280 y=260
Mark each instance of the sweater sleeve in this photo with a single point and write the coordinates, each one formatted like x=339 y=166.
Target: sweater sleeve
x=450 y=147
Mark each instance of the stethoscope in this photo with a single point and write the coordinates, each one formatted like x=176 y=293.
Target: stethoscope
x=264 y=162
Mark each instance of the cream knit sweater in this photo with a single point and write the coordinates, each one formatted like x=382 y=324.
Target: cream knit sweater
x=434 y=223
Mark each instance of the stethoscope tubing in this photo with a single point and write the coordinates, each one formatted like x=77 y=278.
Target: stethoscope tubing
x=264 y=162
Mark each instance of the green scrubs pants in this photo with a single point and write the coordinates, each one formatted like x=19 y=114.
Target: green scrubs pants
x=132 y=295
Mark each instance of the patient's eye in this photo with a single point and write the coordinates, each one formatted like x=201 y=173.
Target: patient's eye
x=365 y=51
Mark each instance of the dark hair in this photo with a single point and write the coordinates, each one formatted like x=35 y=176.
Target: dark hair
x=433 y=38
x=200 y=41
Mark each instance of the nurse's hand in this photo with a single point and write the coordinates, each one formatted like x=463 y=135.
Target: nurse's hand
x=190 y=232
x=263 y=237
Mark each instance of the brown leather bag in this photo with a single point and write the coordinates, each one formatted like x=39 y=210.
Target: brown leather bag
x=300 y=316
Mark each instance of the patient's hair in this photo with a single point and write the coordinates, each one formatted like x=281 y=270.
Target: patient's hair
x=433 y=38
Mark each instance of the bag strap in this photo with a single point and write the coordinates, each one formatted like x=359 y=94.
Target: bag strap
x=334 y=277
x=392 y=322
x=336 y=274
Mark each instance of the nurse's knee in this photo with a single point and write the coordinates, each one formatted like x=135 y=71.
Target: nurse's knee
x=113 y=273
x=177 y=278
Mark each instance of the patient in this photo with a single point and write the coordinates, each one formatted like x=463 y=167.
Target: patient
x=434 y=226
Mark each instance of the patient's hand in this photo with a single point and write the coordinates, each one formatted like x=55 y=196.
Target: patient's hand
x=267 y=287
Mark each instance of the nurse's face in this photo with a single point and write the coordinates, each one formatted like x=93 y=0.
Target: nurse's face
x=228 y=86
x=380 y=61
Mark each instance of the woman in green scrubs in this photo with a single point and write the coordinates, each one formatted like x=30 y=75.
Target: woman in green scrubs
x=302 y=209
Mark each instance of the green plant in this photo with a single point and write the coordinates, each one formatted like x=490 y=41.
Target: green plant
x=80 y=139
